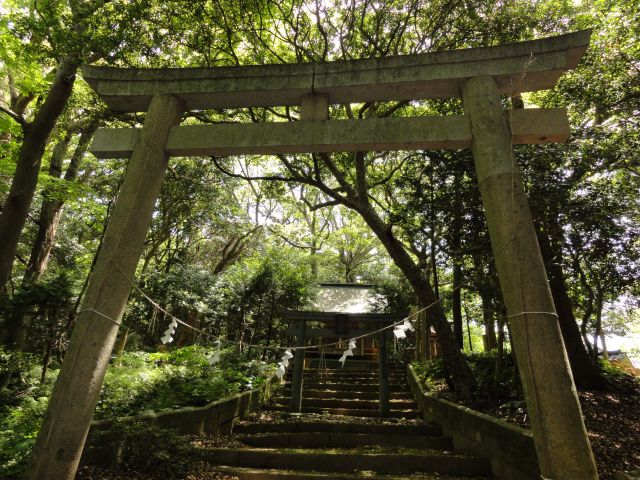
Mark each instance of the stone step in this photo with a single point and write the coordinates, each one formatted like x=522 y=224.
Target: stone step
x=372 y=395
x=352 y=379
x=347 y=403
x=352 y=373
x=330 y=427
x=351 y=412
x=350 y=364
x=337 y=460
x=345 y=440
x=347 y=387
x=244 y=473
x=355 y=366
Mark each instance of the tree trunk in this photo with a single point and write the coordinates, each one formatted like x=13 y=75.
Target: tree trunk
x=121 y=343
x=585 y=373
x=456 y=303
x=50 y=214
x=48 y=221
x=19 y=319
x=469 y=334
x=490 y=342
x=462 y=376
x=598 y=328
x=488 y=320
x=456 y=232
x=434 y=264
x=605 y=352
x=36 y=134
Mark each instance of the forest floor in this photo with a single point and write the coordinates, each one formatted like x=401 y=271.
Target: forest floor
x=612 y=420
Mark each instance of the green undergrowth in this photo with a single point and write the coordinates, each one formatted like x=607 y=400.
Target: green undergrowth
x=153 y=382
x=137 y=382
x=499 y=388
x=138 y=447
x=495 y=384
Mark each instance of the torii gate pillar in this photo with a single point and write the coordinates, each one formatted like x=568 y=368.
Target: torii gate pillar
x=61 y=439
x=552 y=402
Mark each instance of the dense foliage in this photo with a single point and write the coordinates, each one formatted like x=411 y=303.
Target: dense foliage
x=138 y=382
x=234 y=241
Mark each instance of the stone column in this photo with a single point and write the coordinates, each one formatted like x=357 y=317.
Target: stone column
x=75 y=394
x=558 y=430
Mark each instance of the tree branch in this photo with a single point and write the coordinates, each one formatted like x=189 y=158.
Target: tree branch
x=250 y=178
x=318 y=206
x=361 y=176
x=14 y=116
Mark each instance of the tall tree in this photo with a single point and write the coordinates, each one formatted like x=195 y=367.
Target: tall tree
x=351 y=180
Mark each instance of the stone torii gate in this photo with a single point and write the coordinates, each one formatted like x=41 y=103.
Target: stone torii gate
x=479 y=76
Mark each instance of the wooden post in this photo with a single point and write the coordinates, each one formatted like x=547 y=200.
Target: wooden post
x=418 y=327
x=298 y=368
x=383 y=374
x=74 y=396
x=558 y=430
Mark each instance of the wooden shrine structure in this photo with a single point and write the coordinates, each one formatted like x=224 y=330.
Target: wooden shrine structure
x=479 y=76
x=327 y=327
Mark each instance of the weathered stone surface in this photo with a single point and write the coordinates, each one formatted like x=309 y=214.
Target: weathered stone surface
x=324 y=427
x=517 y=67
x=314 y=107
x=215 y=418
x=509 y=449
x=349 y=461
x=552 y=402
x=375 y=134
x=75 y=393
x=346 y=440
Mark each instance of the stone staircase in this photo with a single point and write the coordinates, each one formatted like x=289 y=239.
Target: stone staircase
x=338 y=435
x=352 y=392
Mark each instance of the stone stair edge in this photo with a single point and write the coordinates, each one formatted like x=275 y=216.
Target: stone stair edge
x=245 y=473
x=324 y=427
x=345 y=460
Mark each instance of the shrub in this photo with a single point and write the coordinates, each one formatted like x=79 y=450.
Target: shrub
x=144 y=448
x=432 y=374
x=140 y=382
x=18 y=435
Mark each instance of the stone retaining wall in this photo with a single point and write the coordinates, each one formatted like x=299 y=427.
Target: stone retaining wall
x=509 y=448
x=215 y=418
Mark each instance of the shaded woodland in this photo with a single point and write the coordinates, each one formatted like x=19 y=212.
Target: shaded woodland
x=235 y=240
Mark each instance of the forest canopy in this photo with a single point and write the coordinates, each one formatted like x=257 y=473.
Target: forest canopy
x=235 y=240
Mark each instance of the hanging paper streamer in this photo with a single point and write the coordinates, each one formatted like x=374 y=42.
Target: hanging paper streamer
x=284 y=363
x=215 y=357
x=400 y=331
x=286 y=357
x=348 y=352
x=169 y=332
